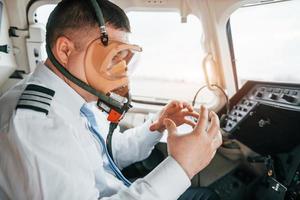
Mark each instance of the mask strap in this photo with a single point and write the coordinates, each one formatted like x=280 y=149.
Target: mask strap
x=101 y=22
x=102 y=97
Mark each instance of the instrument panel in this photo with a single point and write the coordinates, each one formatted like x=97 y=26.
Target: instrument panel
x=265 y=116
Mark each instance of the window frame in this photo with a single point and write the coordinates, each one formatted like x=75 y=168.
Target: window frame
x=175 y=7
x=158 y=101
x=230 y=38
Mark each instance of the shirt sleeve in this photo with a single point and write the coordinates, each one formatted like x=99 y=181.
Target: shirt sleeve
x=166 y=182
x=134 y=144
x=42 y=159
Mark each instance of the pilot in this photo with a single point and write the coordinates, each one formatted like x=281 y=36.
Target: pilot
x=59 y=133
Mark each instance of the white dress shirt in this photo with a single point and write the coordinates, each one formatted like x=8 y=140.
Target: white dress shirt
x=55 y=156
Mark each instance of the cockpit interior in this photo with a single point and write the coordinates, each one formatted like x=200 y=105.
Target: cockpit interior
x=237 y=57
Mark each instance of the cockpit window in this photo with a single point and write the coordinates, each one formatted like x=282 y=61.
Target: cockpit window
x=266 y=42
x=43 y=12
x=170 y=65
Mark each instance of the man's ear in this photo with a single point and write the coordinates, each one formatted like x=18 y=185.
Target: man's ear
x=63 y=48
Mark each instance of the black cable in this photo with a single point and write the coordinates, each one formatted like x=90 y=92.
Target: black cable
x=219 y=88
x=101 y=22
x=224 y=117
x=103 y=97
x=98 y=13
x=79 y=82
x=112 y=127
x=86 y=87
x=195 y=97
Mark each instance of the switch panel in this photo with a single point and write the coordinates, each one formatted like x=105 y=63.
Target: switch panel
x=277 y=95
x=242 y=109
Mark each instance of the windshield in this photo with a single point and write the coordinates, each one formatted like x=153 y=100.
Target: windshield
x=266 y=41
x=170 y=65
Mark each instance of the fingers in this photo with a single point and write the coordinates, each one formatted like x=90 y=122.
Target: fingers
x=154 y=126
x=213 y=154
x=192 y=114
x=189 y=122
x=188 y=106
x=179 y=105
x=170 y=126
x=214 y=130
x=174 y=103
x=217 y=141
x=214 y=125
x=202 y=120
x=173 y=107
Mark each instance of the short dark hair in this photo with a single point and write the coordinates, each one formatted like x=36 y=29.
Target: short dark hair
x=78 y=14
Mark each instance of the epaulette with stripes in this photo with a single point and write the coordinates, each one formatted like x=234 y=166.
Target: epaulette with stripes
x=36 y=97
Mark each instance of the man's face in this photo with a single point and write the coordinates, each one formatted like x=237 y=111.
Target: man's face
x=86 y=62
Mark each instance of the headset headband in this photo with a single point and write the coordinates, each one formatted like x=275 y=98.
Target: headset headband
x=105 y=100
x=101 y=22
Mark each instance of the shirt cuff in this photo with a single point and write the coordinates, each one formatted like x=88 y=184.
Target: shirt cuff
x=151 y=135
x=168 y=179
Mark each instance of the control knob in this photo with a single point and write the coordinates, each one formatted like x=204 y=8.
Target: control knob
x=259 y=94
x=273 y=96
x=288 y=98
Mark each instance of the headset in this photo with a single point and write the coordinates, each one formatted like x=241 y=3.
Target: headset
x=111 y=103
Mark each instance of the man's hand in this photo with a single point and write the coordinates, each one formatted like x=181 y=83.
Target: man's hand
x=178 y=112
x=195 y=150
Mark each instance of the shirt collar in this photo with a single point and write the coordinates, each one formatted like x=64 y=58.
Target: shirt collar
x=63 y=92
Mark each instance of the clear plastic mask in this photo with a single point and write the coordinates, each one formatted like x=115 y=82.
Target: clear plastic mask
x=113 y=61
x=107 y=67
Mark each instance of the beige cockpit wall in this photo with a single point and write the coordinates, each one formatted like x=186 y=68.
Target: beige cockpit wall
x=25 y=40
x=214 y=14
x=7 y=60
